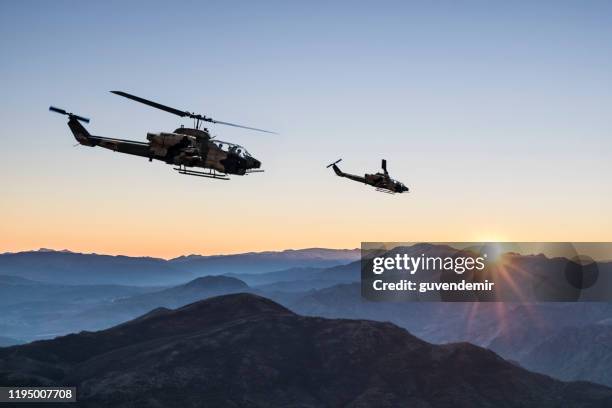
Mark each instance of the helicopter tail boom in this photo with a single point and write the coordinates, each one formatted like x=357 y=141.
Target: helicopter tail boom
x=80 y=133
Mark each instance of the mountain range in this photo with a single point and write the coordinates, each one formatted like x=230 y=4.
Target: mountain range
x=245 y=350
x=126 y=308
x=532 y=335
x=65 y=267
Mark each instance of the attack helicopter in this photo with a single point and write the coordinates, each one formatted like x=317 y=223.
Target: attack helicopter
x=184 y=147
x=382 y=181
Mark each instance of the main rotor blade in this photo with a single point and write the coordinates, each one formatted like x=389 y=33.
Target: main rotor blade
x=153 y=104
x=184 y=113
x=239 y=126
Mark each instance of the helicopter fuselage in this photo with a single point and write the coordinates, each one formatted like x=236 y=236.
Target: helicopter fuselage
x=195 y=148
x=184 y=147
x=383 y=181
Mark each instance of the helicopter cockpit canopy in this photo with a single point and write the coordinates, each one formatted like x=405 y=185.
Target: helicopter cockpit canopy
x=232 y=148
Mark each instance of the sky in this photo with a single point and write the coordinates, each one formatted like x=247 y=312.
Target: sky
x=497 y=116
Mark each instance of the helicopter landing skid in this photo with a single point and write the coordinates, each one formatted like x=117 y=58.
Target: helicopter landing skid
x=208 y=174
x=384 y=190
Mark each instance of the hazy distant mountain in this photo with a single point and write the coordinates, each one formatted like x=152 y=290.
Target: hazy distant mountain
x=285 y=275
x=244 y=350
x=176 y=296
x=299 y=286
x=65 y=267
x=40 y=310
x=8 y=341
x=524 y=328
x=295 y=254
x=15 y=290
x=303 y=279
x=75 y=269
x=575 y=353
x=189 y=292
x=109 y=314
x=261 y=262
x=15 y=280
x=30 y=309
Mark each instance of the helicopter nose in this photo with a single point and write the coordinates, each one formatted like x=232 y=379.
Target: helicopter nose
x=255 y=164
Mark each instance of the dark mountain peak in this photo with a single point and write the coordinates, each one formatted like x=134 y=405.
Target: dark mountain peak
x=202 y=314
x=158 y=324
x=233 y=306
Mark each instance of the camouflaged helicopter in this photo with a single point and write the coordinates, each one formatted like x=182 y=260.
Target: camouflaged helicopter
x=382 y=181
x=184 y=147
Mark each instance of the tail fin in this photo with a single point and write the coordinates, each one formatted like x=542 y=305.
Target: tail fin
x=384 y=166
x=80 y=133
x=336 y=168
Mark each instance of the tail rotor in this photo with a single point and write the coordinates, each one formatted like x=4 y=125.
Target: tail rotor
x=334 y=163
x=69 y=114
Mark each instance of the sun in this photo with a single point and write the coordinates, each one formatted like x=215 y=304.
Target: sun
x=493 y=252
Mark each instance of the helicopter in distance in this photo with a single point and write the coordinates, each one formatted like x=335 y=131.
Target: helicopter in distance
x=184 y=147
x=382 y=181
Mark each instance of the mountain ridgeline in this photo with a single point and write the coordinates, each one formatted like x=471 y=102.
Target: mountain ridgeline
x=64 y=267
x=245 y=350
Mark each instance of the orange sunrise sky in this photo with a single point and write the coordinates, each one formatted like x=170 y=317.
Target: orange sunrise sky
x=499 y=125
